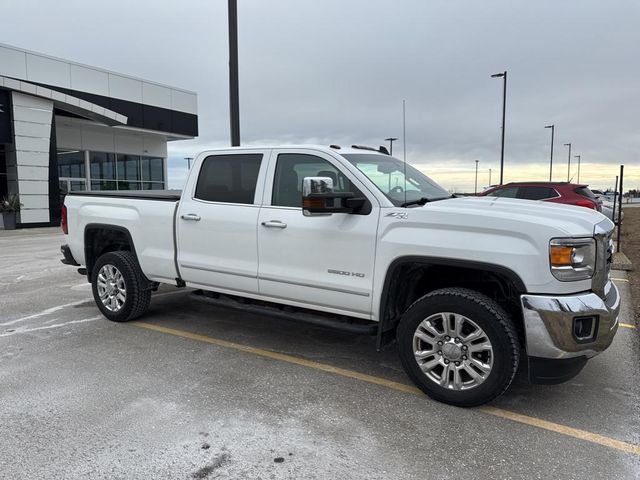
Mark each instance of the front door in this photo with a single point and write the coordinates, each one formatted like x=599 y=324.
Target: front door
x=322 y=262
x=216 y=223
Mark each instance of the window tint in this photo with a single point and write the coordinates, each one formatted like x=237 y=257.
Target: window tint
x=71 y=163
x=585 y=192
x=103 y=166
x=510 y=192
x=536 y=193
x=229 y=178
x=291 y=170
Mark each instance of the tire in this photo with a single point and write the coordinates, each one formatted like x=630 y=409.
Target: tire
x=464 y=370
x=118 y=278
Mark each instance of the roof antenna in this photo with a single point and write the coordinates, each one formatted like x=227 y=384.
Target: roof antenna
x=404 y=146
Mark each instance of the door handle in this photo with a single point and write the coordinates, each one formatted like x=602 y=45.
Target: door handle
x=190 y=216
x=274 y=224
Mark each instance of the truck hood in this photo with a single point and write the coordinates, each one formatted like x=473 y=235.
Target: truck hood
x=508 y=213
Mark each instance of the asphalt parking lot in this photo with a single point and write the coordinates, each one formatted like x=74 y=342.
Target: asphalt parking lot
x=194 y=391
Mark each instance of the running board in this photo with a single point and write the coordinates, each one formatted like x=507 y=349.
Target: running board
x=343 y=323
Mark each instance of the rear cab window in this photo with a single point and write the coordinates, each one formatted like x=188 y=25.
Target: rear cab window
x=229 y=178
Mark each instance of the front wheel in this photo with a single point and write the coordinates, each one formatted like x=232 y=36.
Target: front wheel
x=116 y=282
x=458 y=346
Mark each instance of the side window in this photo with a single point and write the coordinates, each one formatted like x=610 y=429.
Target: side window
x=291 y=168
x=229 y=178
x=537 y=193
x=510 y=192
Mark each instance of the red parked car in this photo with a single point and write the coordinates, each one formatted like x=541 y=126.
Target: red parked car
x=557 y=192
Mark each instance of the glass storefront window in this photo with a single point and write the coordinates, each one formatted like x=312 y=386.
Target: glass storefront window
x=103 y=166
x=104 y=185
x=152 y=169
x=71 y=163
x=128 y=167
x=126 y=185
x=153 y=186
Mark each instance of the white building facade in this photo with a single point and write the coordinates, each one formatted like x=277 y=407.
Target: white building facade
x=66 y=126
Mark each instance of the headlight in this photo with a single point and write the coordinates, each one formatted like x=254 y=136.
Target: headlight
x=572 y=258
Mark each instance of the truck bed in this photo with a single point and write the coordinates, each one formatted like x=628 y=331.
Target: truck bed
x=161 y=195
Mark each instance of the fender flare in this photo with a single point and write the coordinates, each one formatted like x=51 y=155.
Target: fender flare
x=437 y=261
x=107 y=226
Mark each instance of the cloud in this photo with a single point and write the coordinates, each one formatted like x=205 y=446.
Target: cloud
x=337 y=72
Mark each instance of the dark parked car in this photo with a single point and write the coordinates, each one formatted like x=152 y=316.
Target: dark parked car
x=557 y=192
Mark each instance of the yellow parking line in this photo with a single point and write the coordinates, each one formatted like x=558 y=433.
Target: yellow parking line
x=496 y=412
x=626 y=325
x=620 y=280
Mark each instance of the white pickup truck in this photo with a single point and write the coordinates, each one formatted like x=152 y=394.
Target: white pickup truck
x=354 y=239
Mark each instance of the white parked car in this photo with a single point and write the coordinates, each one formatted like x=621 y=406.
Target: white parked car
x=340 y=237
x=606 y=200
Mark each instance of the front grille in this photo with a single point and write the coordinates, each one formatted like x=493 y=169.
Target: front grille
x=604 y=257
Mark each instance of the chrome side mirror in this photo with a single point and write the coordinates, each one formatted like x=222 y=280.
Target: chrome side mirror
x=318 y=198
x=311 y=187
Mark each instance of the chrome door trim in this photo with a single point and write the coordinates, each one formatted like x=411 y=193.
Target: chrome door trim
x=224 y=272
x=301 y=284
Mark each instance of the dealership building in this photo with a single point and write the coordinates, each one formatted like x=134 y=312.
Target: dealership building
x=66 y=126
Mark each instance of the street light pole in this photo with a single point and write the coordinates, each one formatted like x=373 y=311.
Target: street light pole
x=502 y=75
x=552 y=127
x=188 y=159
x=578 y=157
x=234 y=97
x=489 y=177
x=476 y=188
x=569 y=167
x=391 y=140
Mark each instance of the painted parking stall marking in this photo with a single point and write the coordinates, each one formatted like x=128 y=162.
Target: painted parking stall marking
x=496 y=412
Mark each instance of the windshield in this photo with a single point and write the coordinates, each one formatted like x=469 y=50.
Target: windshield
x=387 y=173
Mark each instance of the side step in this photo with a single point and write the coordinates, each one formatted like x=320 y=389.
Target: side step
x=341 y=323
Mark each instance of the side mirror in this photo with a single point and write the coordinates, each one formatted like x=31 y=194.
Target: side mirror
x=318 y=198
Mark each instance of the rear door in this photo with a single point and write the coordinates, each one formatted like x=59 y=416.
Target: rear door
x=216 y=222
x=322 y=262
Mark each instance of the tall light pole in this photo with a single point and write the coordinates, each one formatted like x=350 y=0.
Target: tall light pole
x=489 y=177
x=552 y=127
x=476 y=188
x=578 y=157
x=502 y=75
x=188 y=159
x=569 y=167
x=234 y=97
x=391 y=140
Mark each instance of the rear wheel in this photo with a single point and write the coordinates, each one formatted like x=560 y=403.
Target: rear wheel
x=458 y=346
x=117 y=285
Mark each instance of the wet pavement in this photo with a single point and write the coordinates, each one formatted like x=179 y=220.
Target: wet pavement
x=81 y=397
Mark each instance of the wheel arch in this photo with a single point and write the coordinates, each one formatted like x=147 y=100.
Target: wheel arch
x=101 y=238
x=406 y=280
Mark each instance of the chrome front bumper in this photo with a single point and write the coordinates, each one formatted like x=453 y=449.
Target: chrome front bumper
x=549 y=323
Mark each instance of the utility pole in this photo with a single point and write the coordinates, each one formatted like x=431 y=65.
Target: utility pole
x=391 y=140
x=234 y=98
x=578 y=157
x=188 y=159
x=569 y=167
x=502 y=75
x=489 y=177
x=476 y=188
x=552 y=127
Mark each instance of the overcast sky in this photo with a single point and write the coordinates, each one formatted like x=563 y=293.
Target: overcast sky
x=336 y=71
